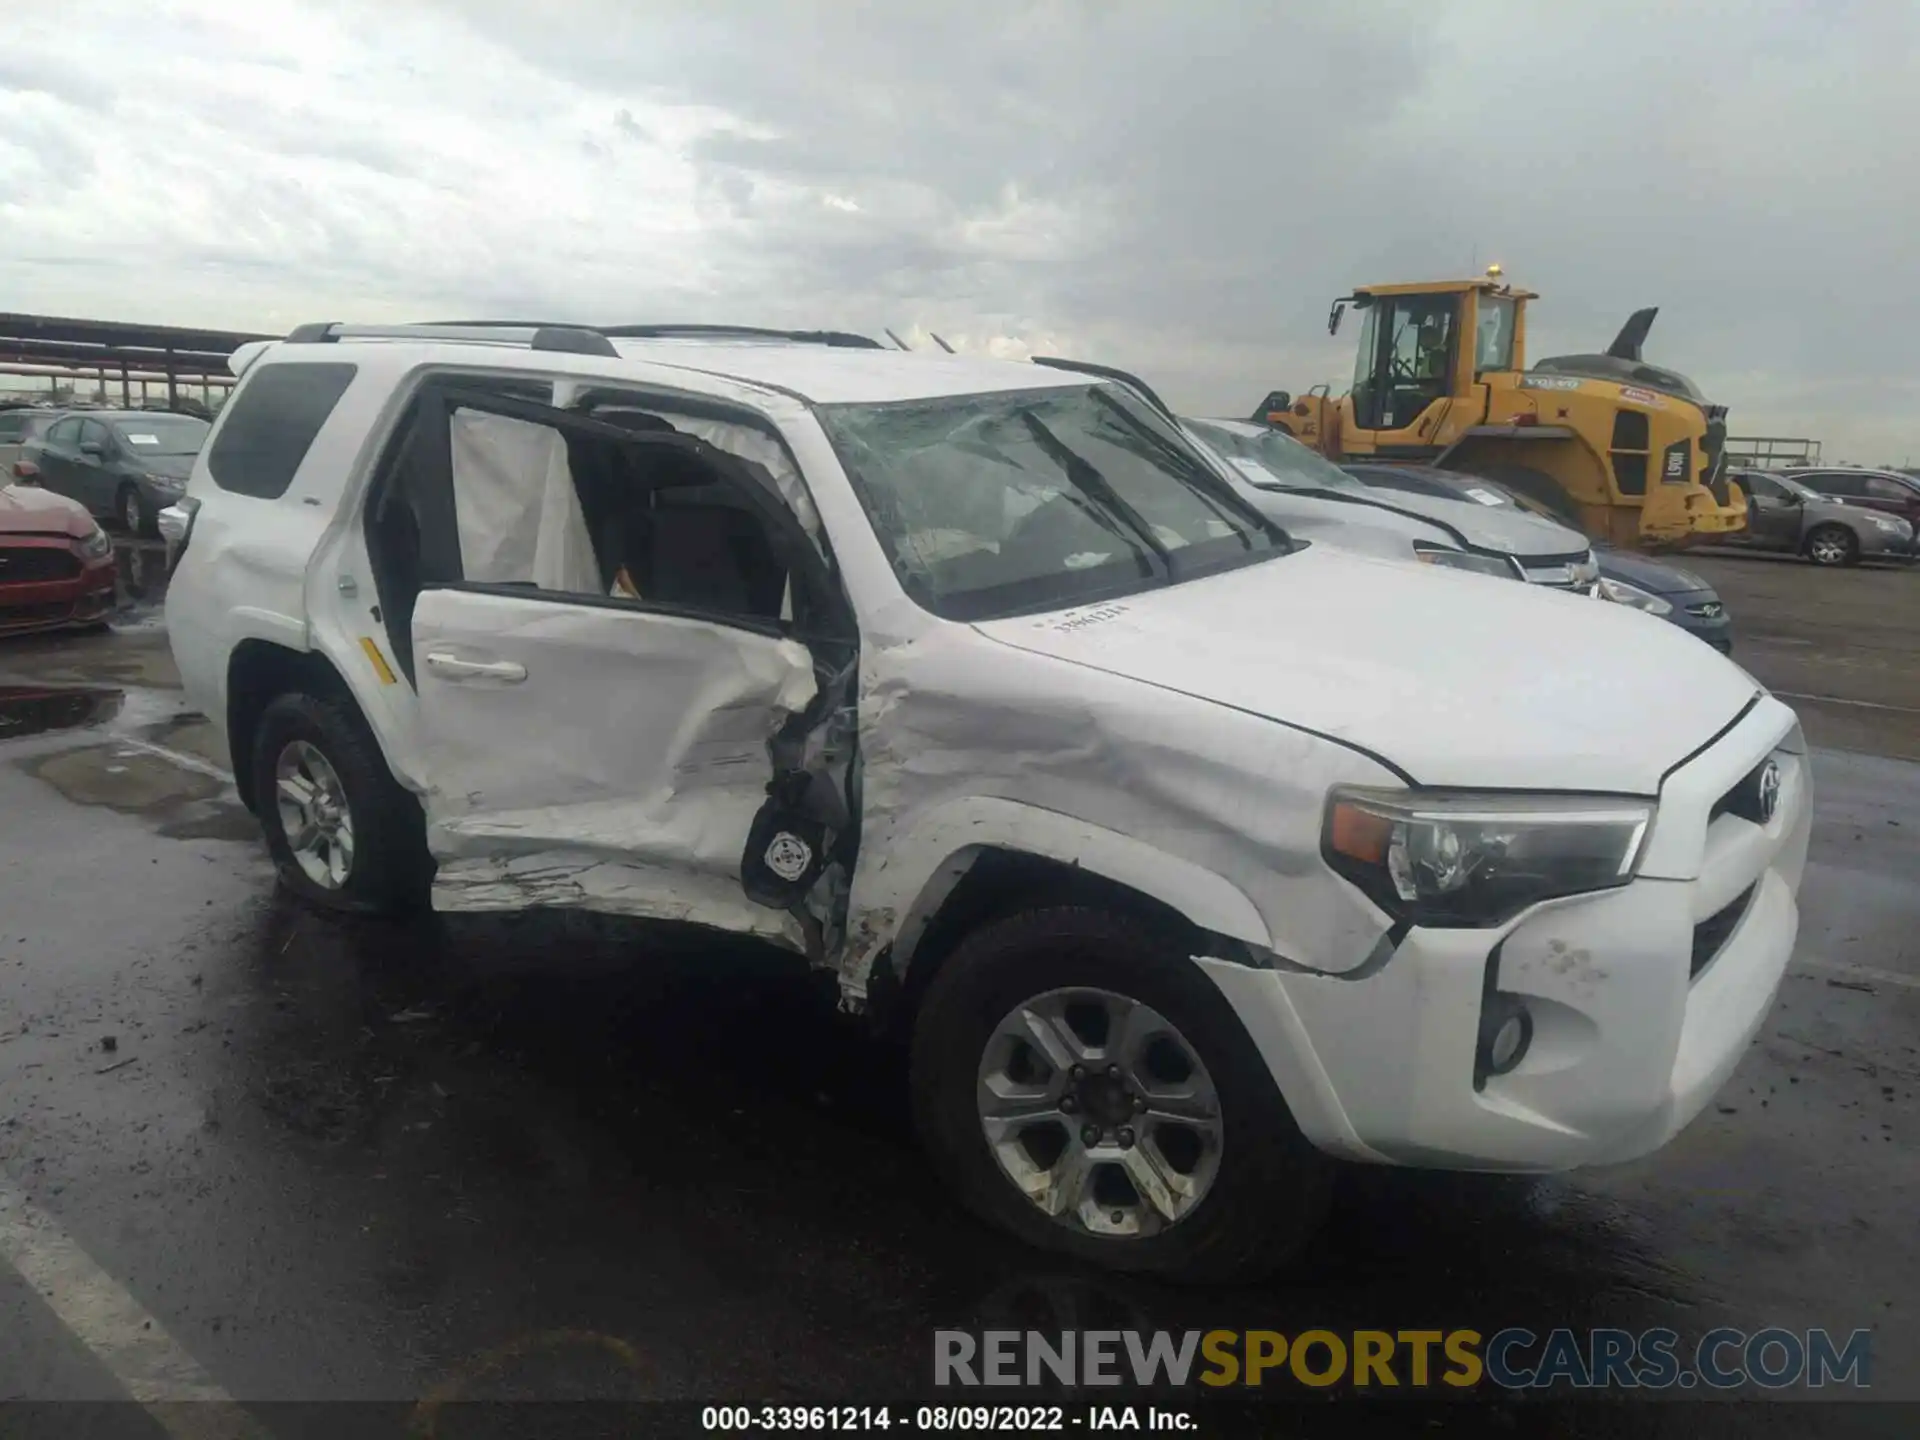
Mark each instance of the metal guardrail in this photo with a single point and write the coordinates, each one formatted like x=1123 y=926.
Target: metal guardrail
x=1770 y=452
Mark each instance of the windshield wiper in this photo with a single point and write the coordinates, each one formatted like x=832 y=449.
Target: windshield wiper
x=1087 y=479
x=1200 y=477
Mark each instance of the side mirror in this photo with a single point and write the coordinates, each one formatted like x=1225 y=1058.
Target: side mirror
x=93 y=448
x=1335 y=315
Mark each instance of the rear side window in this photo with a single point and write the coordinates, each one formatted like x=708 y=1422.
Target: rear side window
x=271 y=423
x=1851 y=485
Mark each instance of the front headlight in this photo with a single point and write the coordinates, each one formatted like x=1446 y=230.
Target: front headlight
x=1464 y=560
x=166 y=482
x=1472 y=860
x=96 y=546
x=1621 y=593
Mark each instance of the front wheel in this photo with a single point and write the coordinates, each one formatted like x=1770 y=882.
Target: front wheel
x=343 y=832
x=136 y=517
x=1833 y=545
x=1080 y=1082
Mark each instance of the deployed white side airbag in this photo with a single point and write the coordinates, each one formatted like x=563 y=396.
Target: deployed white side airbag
x=518 y=514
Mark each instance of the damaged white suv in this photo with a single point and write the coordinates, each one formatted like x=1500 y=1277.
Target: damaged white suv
x=1188 y=855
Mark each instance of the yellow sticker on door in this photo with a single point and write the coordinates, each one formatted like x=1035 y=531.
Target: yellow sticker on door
x=380 y=666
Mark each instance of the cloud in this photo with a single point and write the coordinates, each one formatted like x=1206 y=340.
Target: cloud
x=1176 y=189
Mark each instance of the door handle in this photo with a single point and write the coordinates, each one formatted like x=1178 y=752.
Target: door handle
x=454 y=668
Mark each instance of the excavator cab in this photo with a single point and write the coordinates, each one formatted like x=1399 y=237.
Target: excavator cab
x=1623 y=450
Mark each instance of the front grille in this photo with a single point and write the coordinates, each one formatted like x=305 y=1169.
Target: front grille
x=1711 y=934
x=28 y=565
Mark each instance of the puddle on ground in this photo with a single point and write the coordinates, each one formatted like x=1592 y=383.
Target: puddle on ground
x=38 y=709
x=122 y=778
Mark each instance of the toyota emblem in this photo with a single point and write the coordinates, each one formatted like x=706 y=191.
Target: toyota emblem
x=1769 y=791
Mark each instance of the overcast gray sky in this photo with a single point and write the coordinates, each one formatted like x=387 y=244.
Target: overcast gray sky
x=1179 y=187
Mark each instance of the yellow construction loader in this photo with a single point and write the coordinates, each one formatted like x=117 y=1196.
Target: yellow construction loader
x=1629 y=452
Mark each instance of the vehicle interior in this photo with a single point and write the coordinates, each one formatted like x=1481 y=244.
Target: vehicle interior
x=619 y=509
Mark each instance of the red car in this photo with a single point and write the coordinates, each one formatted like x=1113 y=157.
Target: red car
x=56 y=564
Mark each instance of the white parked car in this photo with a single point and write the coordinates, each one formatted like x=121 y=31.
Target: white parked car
x=1189 y=855
x=1312 y=497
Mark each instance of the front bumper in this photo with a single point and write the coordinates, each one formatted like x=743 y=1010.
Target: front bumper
x=86 y=598
x=1878 y=544
x=1633 y=1031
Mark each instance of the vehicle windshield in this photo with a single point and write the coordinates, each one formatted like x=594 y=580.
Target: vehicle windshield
x=1793 y=486
x=162 y=434
x=1018 y=501
x=1271 y=459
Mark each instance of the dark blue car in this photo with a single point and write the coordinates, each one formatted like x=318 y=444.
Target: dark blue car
x=1658 y=587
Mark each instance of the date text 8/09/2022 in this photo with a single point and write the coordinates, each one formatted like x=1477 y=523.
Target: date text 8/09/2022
x=936 y=1419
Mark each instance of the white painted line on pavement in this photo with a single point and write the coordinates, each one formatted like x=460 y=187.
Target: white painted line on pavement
x=136 y=1350
x=1866 y=973
x=180 y=758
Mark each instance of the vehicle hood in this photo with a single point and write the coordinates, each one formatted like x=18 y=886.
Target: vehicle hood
x=1455 y=679
x=27 y=509
x=1504 y=528
x=1656 y=577
x=178 y=467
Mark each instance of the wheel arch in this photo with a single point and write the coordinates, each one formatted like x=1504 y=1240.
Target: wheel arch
x=978 y=859
x=257 y=671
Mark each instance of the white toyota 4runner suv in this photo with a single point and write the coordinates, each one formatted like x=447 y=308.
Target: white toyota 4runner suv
x=1187 y=854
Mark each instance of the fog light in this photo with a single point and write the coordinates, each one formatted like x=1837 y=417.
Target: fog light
x=1506 y=1030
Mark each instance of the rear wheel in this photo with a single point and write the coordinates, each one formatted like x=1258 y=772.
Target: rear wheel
x=1832 y=545
x=1081 y=1083
x=343 y=832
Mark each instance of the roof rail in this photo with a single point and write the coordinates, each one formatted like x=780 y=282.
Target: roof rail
x=570 y=339
x=842 y=339
x=576 y=339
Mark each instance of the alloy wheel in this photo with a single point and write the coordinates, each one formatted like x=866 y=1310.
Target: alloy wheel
x=1100 y=1112
x=1829 y=549
x=314 y=814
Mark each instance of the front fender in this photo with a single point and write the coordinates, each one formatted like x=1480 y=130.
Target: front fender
x=894 y=907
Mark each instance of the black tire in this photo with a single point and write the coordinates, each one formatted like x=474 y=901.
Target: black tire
x=390 y=870
x=1271 y=1190
x=1848 y=552
x=132 y=512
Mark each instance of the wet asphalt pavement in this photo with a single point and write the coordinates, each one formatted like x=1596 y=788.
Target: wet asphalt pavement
x=564 y=1158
